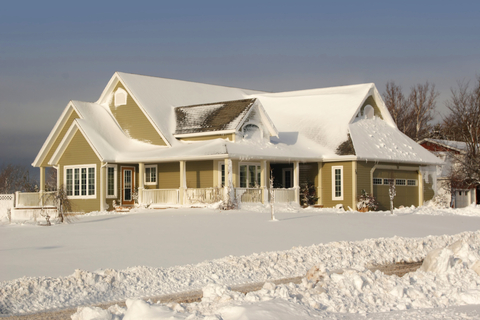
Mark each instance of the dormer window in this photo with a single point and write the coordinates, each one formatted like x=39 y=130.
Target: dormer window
x=251 y=131
x=120 y=98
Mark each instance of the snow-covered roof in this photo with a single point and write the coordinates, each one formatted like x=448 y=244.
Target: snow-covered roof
x=159 y=96
x=455 y=145
x=322 y=115
x=374 y=139
x=308 y=125
x=210 y=117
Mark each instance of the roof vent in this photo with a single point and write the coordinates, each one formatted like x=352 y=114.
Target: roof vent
x=369 y=112
x=120 y=97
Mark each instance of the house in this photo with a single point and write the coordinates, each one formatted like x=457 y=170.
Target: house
x=458 y=194
x=168 y=142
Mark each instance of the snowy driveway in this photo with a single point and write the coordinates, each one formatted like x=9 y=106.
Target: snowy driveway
x=164 y=238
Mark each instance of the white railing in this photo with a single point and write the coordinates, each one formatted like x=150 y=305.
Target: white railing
x=34 y=199
x=284 y=195
x=161 y=196
x=203 y=195
x=248 y=194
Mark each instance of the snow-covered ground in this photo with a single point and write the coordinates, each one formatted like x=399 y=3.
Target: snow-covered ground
x=170 y=248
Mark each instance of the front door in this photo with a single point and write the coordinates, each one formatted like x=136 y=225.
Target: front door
x=128 y=185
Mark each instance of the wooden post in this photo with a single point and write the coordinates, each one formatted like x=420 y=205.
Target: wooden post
x=141 y=181
x=296 y=180
x=183 y=181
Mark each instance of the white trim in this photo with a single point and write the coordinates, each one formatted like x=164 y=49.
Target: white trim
x=200 y=134
x=67 y=112
x=81 y=166
x=62 y=146
x=115 y=182
x=145 y=175
x=335 y=198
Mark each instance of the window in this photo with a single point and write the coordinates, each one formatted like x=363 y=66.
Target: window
x=377 y=181
x=222 y=174
x=400 y=182
x=151 y=174
x=250 y=175
x=80 y=181
x=337 y=183
x=411 y=182
x=387 y=181
x=251 y=131
x=111 y=181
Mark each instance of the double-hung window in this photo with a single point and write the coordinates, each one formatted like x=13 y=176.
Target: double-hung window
x=250 y=175
x=337 y=183
x=80 y=181
x=151 y=174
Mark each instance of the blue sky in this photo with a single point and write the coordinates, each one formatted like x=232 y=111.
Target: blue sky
x=55 y=51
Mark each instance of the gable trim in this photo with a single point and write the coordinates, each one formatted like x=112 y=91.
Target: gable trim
x=109 y=89
x=201 y=134
x=66 y=141
x=67 y=112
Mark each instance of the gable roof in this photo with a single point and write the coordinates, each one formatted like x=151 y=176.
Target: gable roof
x=458 y=146
x=210 y=117
x=322 y=115
x=157 y=97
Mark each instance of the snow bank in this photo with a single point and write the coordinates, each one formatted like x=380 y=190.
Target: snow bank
x=83 y=288
x=445 y=279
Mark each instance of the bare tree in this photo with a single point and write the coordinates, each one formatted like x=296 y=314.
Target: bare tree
x=51 y=181
x=400 y=108
x=423 y=100
x=463 y=124
x=16 y=178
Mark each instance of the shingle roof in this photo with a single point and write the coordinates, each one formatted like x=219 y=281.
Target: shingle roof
x=211 y=117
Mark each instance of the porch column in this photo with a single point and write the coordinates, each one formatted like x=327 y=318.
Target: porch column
x=183 y=182
x=102 y=186
x=320 y=184
x=228 y=188
x=264 y=181
x=296 y=180
x=420 y=188
x=59 y=169
x=354 y=185
x=42 y=180
x=141 y=181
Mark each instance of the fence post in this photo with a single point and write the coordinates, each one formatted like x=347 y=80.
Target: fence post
x=16 y=198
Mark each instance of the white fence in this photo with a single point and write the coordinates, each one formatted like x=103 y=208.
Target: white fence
x=204 y=195
x=33 y=199
x=248 y=195
x=284 y=195
x=161 y=196
x=7 y=202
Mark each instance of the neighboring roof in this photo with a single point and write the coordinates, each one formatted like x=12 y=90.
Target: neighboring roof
x=210 y=117
x=449 y=144
x=374 y=139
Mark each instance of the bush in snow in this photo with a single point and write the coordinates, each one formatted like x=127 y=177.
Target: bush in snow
x=368 y=201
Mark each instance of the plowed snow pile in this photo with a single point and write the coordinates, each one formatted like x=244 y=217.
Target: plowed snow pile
x=449 y=279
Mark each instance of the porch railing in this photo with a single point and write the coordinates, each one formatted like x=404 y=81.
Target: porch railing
x=161 y=196
x=203 y=195
x=248 y=194
x=34 y=199
x=284 y=195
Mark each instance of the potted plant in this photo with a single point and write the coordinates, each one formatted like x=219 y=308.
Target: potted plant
x=366 y=202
